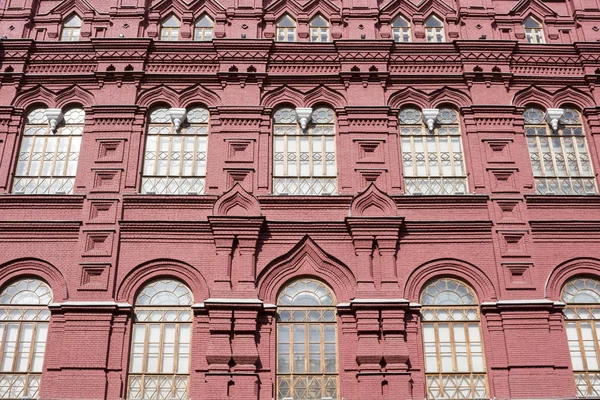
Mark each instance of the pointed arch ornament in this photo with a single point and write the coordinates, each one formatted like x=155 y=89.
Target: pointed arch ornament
x=536 y=95
x=373 y=203
x=306 y=259
x=237 y=202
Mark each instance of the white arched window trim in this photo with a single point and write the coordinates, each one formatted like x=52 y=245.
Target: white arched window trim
x=49 y=151
x=452 y=341
x=304 y=154
x=159 y=366
x=24 y=318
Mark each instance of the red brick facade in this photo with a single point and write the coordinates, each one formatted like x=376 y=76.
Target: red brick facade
x=238 y=244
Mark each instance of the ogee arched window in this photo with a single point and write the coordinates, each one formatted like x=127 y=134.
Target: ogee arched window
x=159 y=367
x=401 y=29
x=434 y=30
x=71 y=29
x=175 y=154
x=304 y=159
x=533 y=30
x=169 y=28
x=49 y=152
x=319 y=29
x=24 y=317
x=582 y=319
x=432 y=159
x=306 y=342
x=454 y=359
x=559 y=157
x=286 y=29
x=203 y=30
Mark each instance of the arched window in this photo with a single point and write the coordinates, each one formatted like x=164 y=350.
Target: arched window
x=159 y=367
x=169 y=29
x=24 y=317
x=582 y=318
x=454 y=359
x=319 y=29
x=286 y=29
x=306 y=342
x=533 y=30
x=432 y=160
x=434 y=29
x=304 y=159
x=175 y=156
x=401 y=29
x=204 y=29
x=71 y=29
x=49 y=152
x=559 y=157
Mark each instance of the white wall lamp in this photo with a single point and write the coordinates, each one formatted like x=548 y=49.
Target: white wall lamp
x=553 y=116
x=429 y=116
x=178 y=117
x=304 y=117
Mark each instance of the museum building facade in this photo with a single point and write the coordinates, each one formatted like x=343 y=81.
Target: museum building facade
x=334 y=199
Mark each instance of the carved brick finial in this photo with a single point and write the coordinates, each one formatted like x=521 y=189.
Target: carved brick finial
x=373 y=203
x=238 y=203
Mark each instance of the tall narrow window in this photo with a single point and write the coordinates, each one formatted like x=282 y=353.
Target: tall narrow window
x=286 y=29
x=454 y=360
x=49 y=152
x=169 y=29
x=533 y=30
x=434 y=30
x=401 y=29
x=159 y=367
x=175 y=156
x=432 y=160
x=71 y=29
x=24 y=317
x=560 y=158
x=304 y=159
x=319 y=29
x=582 y=318
x=204 y=29
x=306 y=342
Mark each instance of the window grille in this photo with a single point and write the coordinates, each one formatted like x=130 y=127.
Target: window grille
x=454 y=358
x=71 y=29
x=319 y=29
x=432 y=161
x=48 y=161
x=306 y=342
x=24 y=318
x=159 y=367
x=434 y=30
x=169 y=30
x=533 y=30
x=204 y=29
x=560 y=159
x=401 y=30
x=304 y=161
x=175 y=162
x=286 y=29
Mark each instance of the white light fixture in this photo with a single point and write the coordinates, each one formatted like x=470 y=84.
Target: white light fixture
x=304 y=117
x=429 y=116
x=553 y=115
x=54 y=116
x=178 y=117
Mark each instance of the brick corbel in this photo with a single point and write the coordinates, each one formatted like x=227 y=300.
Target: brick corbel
x=369 y=352
x=226 y=230
x=383 y=231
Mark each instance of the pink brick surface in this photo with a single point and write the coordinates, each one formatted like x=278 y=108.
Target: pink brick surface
x=242 y=242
